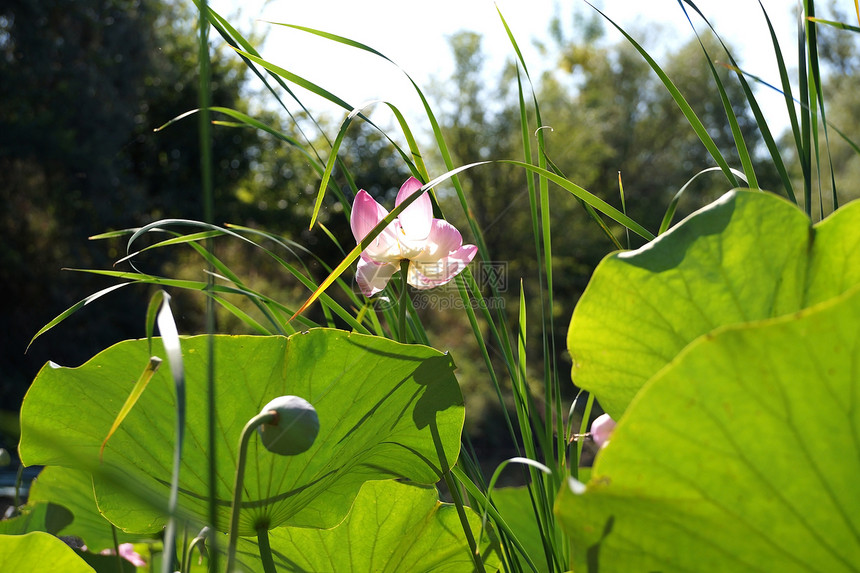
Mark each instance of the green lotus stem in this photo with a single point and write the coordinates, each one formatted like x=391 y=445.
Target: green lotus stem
x=198 y=543
x=116 y=547
x=247 y=432
x=16 y=501
x=456 y=496
x=404 y=271
x=265 y=550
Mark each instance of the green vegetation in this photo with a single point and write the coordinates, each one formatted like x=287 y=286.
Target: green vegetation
x=628 y=217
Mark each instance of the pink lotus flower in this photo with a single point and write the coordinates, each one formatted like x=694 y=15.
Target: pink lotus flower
x=127 y=552
x=601 y=429
x=433 y=247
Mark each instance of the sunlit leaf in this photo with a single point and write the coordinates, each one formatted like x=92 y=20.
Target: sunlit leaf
x=392 y=527
x=37 y=516
x=516 y=506
x=73 y=490
x=139 y=386
x=39 y=552
x=748 y=256
x=385 y=409
x=741 y=455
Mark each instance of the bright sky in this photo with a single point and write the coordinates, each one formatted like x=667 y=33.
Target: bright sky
x=413 y=34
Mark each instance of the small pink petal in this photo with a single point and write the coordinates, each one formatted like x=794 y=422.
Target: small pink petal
x=463 y=255
x=416 y=220
x=127 y=552
x=601 y=429
x=418 y=279
x=426 y=275
x=444 y=239
x=366 y=214
x=372 y=276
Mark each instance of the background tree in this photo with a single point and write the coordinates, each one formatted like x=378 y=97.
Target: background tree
x=840 y=59
x=621 y=102
x=608 y=113
x=83 y=85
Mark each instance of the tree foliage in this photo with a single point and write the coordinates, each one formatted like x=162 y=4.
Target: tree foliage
x=83 y=85
x=604 y=114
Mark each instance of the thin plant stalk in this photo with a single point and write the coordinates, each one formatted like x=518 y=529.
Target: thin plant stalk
x=170 y=339
x=116 y=547
x=404 y=300
x=208 y=216
x=265 y=550
x=247 y=432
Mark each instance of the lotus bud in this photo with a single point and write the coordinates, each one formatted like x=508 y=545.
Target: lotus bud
x=293 y=430
x=601 y=429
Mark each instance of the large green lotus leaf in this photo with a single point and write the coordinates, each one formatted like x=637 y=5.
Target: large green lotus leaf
x=517 y=508
x=37 y=516
x=392 y=527
x=748 y=256
x=39 y=552
x=385 y=410
x=73 y=490
x=742 y=455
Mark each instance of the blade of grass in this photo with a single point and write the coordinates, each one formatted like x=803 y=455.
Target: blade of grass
x=834 y=24
x=740 y=144
x=290 y=245
x=420 y=170
x=673 y=204
x=526 y=416
x=176 y=240
x=761 y=122
x=681 y=102
x=805 y=144
x=595 y=216
x=495 y=478
x=596 y=202
x=536 y=235
x=250 y=321
x=142 y=278
x=212 y=261
x=241 y=288
x=325 y=94
x=818 y=92
x=623 y=207
x=494 y=513
x=784 y=81
x=764 y=83
x=255 y=123
x=485 y=354
x=137 y=390
x=332 y=160
x=73 y=309
x=170 y=339
x=235 y=40
x=520 y=384
x=552 y=382
x=206 y=176
x=583 y=426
